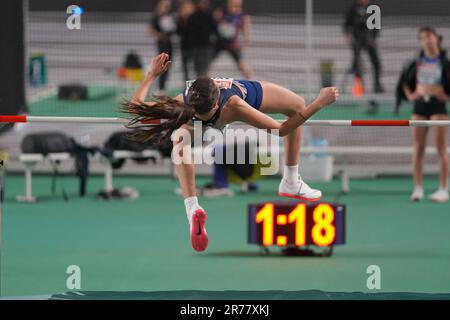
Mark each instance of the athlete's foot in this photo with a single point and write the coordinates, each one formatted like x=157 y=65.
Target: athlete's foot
x=417 y=194
x=299 y=190
x=199 y=237
x=440 y=196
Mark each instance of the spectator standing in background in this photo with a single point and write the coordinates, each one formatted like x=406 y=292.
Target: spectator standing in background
x=234 y=28
x=185 y=9
x=425 y=81
x=201 y=29
x=362 y=38
x=162 y=27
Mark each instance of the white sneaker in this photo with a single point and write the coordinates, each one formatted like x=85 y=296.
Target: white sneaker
x=299 y=190
x=417 y=194
x=439 y=196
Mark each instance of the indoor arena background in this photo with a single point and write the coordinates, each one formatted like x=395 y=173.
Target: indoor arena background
x=142 y=244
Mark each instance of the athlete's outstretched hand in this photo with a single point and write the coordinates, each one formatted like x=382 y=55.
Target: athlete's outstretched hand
x=159 y=65
x=327 y=96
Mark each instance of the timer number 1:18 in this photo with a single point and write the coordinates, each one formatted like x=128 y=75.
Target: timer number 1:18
x=322 y=233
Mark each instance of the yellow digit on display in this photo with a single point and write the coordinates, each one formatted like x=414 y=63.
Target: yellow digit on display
x=265 y=216
x=298 y=216
x=324 y=232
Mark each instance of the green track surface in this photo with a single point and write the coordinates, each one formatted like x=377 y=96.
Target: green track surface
x=143 y=245
x=101 y=102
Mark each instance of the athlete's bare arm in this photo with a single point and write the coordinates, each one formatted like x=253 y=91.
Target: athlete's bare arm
x=158 y=66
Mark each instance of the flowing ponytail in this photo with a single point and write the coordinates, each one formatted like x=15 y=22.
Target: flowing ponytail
x=169 y=114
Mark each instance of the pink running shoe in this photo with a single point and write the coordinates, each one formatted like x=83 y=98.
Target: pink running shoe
x=199 y=237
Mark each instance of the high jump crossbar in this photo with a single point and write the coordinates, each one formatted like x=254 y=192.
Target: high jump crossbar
x=312 y=123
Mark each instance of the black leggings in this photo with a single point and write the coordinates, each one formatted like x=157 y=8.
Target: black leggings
x=371 y=49
x=165 y=47
x=186 y=57
x=202 y=58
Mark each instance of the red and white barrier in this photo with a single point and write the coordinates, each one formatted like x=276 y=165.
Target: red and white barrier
x=317 y=123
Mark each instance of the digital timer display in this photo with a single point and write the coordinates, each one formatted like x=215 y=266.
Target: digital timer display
x=293 y=223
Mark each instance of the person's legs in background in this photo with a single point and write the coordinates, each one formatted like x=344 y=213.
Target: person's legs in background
x=220 y=185
x=185 y=60
x=215 y=51
x=419 y=142
x=441 y=141
x=376 y=65
x=358 y=83
x=165 y=47
x=356 y=63
x=220 y=176
x=247 y=72
x=201 y=56
x=242 y=174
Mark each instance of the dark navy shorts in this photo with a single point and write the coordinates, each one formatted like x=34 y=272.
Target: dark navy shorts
x=254 y=93
x=427 y=108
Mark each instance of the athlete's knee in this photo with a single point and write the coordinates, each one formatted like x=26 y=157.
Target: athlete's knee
x=419 y=153
x=298 y=107
x=419 y=146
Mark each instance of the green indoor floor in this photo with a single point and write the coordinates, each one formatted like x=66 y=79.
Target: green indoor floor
x=143 y=245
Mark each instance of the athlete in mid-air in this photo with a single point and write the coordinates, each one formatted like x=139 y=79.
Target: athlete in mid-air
x=216 y=106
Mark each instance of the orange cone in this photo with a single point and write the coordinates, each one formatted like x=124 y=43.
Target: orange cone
x=358 y=87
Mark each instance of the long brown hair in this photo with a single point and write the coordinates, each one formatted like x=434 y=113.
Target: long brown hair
x=168 y=114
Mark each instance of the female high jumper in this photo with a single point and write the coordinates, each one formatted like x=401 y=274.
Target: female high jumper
x=244 y=101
